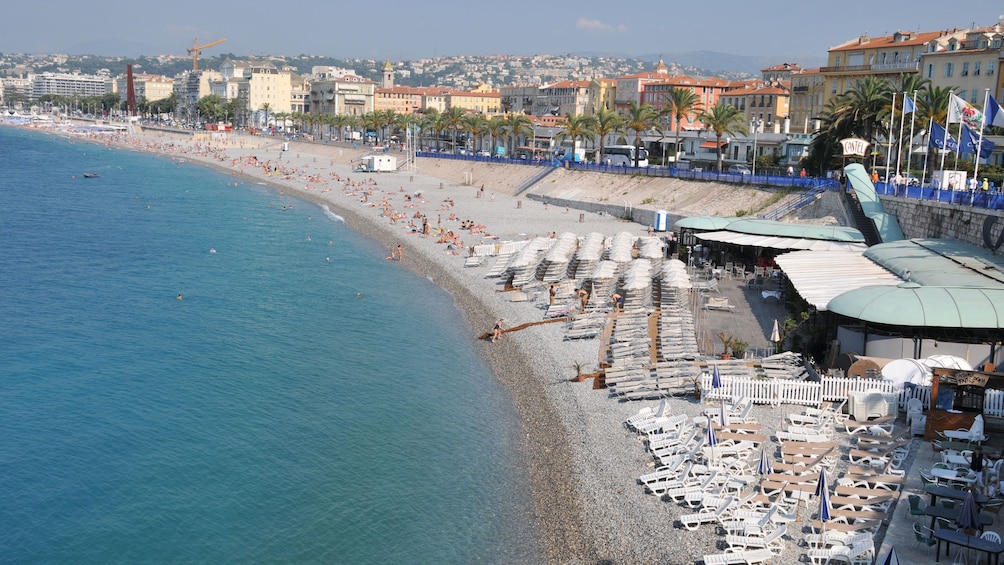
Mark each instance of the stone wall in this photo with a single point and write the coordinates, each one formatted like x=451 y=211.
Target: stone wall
x=927 y=219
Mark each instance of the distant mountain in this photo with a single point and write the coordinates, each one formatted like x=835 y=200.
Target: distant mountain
x=112 y=47
x=726 y=62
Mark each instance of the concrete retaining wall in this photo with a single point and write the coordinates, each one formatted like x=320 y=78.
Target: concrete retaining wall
x=927 y=219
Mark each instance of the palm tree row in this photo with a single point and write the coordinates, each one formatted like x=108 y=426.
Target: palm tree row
x=867 y=111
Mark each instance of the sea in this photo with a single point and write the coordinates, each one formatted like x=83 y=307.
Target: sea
x=194 y=371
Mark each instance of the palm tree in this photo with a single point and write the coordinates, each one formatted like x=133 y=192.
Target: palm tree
x=606 y=122
x=265 y=108
x=680 y=103
x=723 y=119
x=495 y=128
x=451 y=120
x=863 y=111
x=475 y=125
x=576 y=126
x=641 y=119
x=516 y=125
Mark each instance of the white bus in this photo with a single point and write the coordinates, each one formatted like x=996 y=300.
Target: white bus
x=623 y=155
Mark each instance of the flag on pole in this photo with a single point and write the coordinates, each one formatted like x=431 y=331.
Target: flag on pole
x=995 y=114
x=908 y=105
x=961 y=111
x=970 y=141
x=941 y=139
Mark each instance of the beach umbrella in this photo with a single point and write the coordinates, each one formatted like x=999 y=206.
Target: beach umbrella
x=891 y=558
x=716 y=378
x=969 y=516
x=823 y=492
x=716 y=383
x=765 y=467
x=712 y=441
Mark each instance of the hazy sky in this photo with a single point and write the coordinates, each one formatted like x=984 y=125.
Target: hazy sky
x=398 y=30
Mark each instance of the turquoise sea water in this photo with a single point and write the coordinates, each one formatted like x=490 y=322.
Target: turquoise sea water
x=269 y=416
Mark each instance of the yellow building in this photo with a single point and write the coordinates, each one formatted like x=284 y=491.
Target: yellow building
x=602 y=95
x=807 y=95
x=400 y=99
x=969 y=65
x=479 y=101
x=147 y=87
x=886 y=57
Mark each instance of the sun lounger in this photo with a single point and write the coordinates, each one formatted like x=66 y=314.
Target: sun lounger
x=854 y=427
x=718 y=303
x=705 y=516
x=738 y=557
x=756 y=540
x=862 y=552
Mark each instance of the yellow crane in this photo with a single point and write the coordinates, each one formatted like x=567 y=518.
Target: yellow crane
x=195 y=49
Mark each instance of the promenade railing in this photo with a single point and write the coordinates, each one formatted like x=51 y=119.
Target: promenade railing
x=812 y=185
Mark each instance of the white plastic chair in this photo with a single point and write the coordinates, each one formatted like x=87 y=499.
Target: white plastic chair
x=992 y=536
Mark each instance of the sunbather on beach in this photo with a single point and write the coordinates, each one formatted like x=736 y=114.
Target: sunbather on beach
x=497 y=330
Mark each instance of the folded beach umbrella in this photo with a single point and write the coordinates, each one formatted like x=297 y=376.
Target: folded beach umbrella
x=716 y=378
x=765 y=467
x=775 y=334
x=712 y=441
x=969 y=516
x=891 y=558
x=823 y=492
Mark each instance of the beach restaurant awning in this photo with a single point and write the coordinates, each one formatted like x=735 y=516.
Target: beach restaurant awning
x=821 y=276
x=779 y=242
x=710 y=144
x=706 y=223
x=909 y=304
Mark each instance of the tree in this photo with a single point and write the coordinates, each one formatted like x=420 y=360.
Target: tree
x=576 y=126
x=517 y=125
x=680 y=103
x=265 y=108
x=606 y=123
x=863 y=111
x=495 y=128
x=476 y=126
x=451 y=120
x=641 y=119
x=723 y=119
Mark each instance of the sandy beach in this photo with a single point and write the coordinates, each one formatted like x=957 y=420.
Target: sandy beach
x=583 y=462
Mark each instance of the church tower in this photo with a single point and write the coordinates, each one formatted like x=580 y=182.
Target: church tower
x=388 y=75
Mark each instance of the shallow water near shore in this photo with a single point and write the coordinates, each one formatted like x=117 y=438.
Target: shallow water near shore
x=269 y=415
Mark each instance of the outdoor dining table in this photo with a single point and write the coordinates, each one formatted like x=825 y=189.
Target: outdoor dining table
x=953 y=475
x=955 y=494
x=951 y=514
x=972 y=542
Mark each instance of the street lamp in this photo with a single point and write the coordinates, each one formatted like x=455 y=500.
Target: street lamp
x=755 y=125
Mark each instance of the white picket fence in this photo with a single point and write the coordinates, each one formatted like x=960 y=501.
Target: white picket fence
x=780 y=391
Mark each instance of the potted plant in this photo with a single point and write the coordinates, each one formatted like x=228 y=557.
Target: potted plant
x=727 y=344
x=696 y=381
x=739 y=347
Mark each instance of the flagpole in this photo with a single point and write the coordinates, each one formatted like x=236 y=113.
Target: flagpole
x=979 y=145
x=892 y=124
x=927 y=153
x=909 y=151
x=899 y=140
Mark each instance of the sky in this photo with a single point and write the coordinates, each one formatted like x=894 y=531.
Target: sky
x=399 y=30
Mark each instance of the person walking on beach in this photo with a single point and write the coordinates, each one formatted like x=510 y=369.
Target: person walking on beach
x=400 y=253
x=583 y=296
x=497 y=330
x=618 y=301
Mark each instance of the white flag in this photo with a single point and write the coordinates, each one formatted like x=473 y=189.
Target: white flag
x=961 y=111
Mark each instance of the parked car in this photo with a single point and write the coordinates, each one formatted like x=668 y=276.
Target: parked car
x=740 y=169
x=484 y=153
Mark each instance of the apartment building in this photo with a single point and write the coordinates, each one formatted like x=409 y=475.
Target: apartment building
x=629 y=87
x=482 y=100
x=349 y=95
x=887 y=57
x=806 y=104
x=708 y=91
x=147 y=86
x=970 y=64
x=602 y=95
x=563 y=98
x=63 y=84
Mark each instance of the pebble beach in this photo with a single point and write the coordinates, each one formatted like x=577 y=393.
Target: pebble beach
x=583 y=462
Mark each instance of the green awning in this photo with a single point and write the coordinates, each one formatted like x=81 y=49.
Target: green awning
x=886 y=224
x=705 y=223
x=910 y=304
x=801 y=231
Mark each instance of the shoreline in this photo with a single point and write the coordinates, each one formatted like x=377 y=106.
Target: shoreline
x=545 y=453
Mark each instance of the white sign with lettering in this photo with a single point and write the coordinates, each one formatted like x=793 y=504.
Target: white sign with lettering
x=854 y=146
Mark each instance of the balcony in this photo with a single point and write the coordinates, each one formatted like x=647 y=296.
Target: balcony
x=909 y=66
x=846 y=69
x=800 y=89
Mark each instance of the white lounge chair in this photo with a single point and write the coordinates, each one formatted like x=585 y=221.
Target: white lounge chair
x=707 y=516
x=738 y=557
x=755 y=540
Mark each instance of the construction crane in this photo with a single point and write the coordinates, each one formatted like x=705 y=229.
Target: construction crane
x=195 y=49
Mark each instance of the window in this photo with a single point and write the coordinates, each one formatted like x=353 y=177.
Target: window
x=930 y=70
x=972 y=97
x=962 y=95
x=949 y=70
x=965 y=69
x=976 y=68
x=990 y=67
